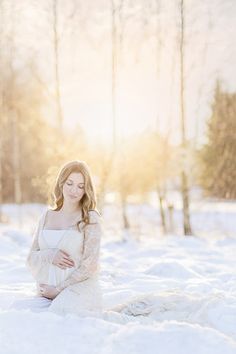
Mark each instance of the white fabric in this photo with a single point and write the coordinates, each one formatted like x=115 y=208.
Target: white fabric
x=53 y=239
x=33 y=303
x=81 y=287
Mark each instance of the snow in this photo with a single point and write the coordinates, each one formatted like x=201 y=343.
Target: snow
x=174 y=294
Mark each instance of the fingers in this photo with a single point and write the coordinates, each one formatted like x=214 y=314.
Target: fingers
x=68 y=261
x=42 y=289
x=65 y=264
x=67 y=257
x=66 y=254
x=61 y=266
x=63 y=260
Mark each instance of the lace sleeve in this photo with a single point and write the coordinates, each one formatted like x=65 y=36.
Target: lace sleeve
x=36 y=258
x=90 y=258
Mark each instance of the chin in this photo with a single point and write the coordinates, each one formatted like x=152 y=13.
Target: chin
x=72 y=200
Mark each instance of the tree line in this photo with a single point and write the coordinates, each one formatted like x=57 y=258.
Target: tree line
x=32 y=147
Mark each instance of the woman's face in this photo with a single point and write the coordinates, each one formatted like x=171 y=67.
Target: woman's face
x=73 y=188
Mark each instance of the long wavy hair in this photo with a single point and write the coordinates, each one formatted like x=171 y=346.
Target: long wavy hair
x=88 y=201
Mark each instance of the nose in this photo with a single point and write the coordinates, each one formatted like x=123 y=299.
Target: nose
x=73 y=190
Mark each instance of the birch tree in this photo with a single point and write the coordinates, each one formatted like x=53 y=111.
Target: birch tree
x=55 y=41
x=184 y=176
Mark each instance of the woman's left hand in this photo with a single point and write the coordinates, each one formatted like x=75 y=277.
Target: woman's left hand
x=48 y=291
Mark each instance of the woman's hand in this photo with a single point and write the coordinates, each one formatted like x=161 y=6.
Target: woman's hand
x=63 y=260
x=48 y=291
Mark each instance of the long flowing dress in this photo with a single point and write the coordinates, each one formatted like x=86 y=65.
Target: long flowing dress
x=81 y=292
x=79 y=285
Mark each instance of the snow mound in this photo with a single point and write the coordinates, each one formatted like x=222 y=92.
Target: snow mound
x=169 y=337
x=172 y=269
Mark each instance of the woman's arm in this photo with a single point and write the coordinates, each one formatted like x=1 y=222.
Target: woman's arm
x=37 y=258
x=90 y=258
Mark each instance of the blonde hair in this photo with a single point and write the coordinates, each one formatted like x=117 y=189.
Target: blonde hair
x=88 y=201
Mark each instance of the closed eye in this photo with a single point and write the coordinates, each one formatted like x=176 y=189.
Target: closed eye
x=70 y=184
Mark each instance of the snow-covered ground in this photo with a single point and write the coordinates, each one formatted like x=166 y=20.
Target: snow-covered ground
x=177 y=294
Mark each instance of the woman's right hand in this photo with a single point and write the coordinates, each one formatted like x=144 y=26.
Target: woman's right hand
x=63 y=260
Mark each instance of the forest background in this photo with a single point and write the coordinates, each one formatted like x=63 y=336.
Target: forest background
x=143 y=91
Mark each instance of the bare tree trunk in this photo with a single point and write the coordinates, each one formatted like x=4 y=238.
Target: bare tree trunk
x=162 y=211
x=184 y=178
x=126 y=235
x=56 y=65
x=16 y=159
x=1 y=112
x=160 y=193
x=124 y=213
x=110 y=162
x=13 y=113
x=114 y=68
x=171 y=218
x=1 y=153
x=201 y=85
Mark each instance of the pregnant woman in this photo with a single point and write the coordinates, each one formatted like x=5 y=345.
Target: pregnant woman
x=64 y=256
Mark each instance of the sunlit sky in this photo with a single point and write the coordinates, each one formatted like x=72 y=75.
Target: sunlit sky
x=145 y=97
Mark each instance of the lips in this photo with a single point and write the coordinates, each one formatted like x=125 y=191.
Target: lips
x=72 y=196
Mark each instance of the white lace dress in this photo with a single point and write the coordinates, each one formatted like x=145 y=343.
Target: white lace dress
x=80 y=287
x=81 y=292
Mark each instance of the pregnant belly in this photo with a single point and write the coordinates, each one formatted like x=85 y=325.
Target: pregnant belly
x=56 y=275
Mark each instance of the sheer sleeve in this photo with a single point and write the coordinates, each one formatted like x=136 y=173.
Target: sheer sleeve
x=37 y=258
x=89 y=264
